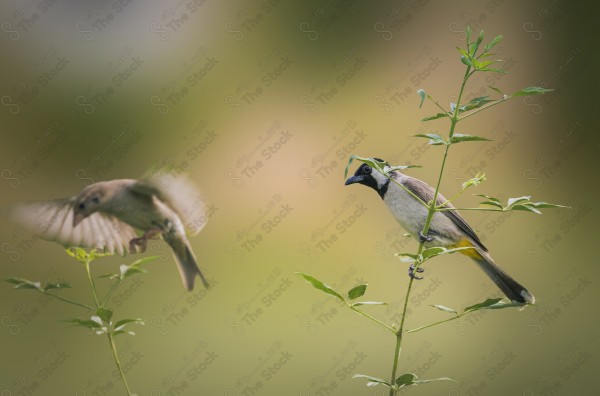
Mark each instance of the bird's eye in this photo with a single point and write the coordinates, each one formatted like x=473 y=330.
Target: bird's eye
x=367 y=170
x=81 y=206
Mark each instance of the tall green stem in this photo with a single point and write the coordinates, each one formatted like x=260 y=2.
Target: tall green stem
x=113 y=348
x=432 y=208
x=399 y=335
x=111 y=340
x=93 y=286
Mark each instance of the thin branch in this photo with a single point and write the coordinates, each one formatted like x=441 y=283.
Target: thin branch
x=68 y=300
x=366 y=315
x=483 y=108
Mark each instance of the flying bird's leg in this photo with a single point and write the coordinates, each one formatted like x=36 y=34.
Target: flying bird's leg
x=411 y=272
x=423 y=238
x=142 y=241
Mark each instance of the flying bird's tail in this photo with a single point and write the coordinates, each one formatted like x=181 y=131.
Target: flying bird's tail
x=186 y=262
x=510 y=287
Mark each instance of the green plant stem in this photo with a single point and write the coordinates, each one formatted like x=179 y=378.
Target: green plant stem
x=400 y=333
x=68 y=300
x=432 y=208
x=113 y=348
x=110 y=291
x=366 y=315
x=93 y=286
x=480 y=209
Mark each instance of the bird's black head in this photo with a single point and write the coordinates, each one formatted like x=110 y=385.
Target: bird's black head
x=370 y=177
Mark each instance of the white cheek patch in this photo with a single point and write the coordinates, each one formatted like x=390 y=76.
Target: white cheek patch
x=380 y=178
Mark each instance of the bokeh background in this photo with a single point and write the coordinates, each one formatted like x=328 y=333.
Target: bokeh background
x=262 y=103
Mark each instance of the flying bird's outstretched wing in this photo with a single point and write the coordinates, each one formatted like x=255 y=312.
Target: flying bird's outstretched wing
x=53 y=221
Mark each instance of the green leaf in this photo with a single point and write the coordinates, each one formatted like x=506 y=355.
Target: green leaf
x=410 y=257
x=83 y=255
x=91 y=324
x=372 y=162
x=475 y=181
x=401 y=167
x=126 y=270
x=412 y=379
x=436 y=251
x=496 y=200
x=104 y=314
x=405 y=379
x=317 y=284
x=492 y=203
x=373 y=381
x=475 y=103
x=492 y=43
x=501 y=71
x=531 y=91
x=123 y=322
x=512 y=201
x=525 y=207
x=57 y=286
x=458 y=138
x=468 y=31
x=357 y=291
x=494 y=303
x=434 y=139
x=483 y=305
x=466 y=61
x=547 y=205
x=506 y=304
x=359 y=303
x=435 y=117
x=496 y=89
x=444 y=308
x=432 y=252
x=21 y=283
x=421 y=382
x=422 y=95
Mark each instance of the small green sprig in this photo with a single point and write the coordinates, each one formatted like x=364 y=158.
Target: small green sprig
x=98 y=317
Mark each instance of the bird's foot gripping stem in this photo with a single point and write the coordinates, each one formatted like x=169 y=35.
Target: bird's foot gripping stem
x=425 y=238
x=411 y=272
x=142 y=241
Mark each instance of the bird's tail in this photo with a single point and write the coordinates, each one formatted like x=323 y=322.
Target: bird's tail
x=510 y=287
x=186 y=262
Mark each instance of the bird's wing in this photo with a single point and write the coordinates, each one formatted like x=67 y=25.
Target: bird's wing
x=53 y=221
x=425 y=192
x=180 y=193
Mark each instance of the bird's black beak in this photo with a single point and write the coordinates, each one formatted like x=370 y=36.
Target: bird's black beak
x=354 y=179
x=77 y=217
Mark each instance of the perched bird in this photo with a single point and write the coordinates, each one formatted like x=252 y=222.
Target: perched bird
x=106 y=215
x=447 y=229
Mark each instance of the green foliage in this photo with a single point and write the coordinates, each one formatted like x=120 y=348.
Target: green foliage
x=100 y=322
x=531 y=91
x=429 y=253
x=474 y=181
x=519 y=203
x=353 y=293
x=357 y=291
x=131 y=269
x=400 y=382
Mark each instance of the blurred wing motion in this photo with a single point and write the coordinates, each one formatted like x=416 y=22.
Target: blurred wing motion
x=180 y=193
x=53 y=221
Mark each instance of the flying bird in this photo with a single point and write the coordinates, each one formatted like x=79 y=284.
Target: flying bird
x=447 y=229
x=107 y=215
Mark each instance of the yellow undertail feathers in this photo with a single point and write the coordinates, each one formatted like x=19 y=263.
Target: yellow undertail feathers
x=473 y=253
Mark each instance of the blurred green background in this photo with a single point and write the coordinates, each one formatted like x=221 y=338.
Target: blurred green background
x=262 y=102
